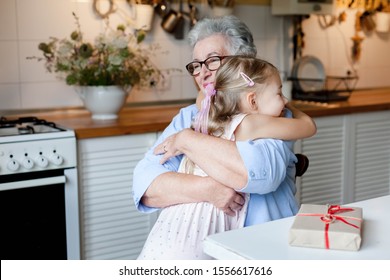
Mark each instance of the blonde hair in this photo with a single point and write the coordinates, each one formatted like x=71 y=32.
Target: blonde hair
x=230 y=86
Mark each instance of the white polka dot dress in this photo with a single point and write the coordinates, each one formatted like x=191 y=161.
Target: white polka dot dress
x=180 y=229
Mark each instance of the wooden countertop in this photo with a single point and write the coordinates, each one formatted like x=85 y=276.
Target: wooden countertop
x=134 y=120
x=359 y=102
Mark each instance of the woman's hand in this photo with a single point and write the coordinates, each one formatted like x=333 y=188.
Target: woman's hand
x=170 y=147
x=225 y=198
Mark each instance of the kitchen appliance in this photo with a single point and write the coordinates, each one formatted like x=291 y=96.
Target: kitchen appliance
x=302 y=7
x=39 y=214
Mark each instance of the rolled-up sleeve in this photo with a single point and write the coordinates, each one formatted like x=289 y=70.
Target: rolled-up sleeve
x=266 y=162
x=149 y=168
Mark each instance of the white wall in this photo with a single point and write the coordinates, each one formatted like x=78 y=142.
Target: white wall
x=24 y=84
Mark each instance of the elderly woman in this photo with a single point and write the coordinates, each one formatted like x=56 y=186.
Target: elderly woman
x=264 y=168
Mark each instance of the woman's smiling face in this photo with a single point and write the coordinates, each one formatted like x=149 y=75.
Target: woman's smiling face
x=215 y=45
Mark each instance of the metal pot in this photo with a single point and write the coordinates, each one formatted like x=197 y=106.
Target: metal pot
x=170 y=21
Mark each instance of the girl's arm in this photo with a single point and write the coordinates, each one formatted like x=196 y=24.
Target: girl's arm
x=256 y=126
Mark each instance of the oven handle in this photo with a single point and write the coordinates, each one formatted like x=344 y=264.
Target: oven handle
x=33 y=183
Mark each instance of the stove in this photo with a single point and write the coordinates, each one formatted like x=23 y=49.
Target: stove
x=32 y=144
x=38 y=190
x=17 y=129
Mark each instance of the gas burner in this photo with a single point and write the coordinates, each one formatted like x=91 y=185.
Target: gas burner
x=26 y=125
x=30 y=128
x=26 y=130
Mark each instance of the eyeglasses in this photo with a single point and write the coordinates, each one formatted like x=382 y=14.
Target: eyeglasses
x=212 y=63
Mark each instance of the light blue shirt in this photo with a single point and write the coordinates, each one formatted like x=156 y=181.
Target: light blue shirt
x=270 y=164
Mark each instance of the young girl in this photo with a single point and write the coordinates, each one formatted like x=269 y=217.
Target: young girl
x=245 y=103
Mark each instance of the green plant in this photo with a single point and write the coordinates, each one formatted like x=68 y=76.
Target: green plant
x=115 y=58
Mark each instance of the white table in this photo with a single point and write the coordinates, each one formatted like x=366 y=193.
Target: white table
x=269 y=241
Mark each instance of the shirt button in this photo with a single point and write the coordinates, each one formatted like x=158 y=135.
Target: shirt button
x=252 y=174
x=251 y=142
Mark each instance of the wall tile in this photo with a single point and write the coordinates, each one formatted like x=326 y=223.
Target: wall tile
x=40 y=19
x=32 y=70
x=48 y=95
x=8 y=27
x=9 y=97
x=9 y=70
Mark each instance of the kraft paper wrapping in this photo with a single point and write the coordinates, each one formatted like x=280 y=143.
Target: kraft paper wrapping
x=328 y=227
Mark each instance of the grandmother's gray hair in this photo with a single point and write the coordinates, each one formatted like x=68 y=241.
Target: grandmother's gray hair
x=237 y=33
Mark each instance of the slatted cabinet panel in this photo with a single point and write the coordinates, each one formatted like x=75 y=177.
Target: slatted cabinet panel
x=111 y=226
x=349 y=159
x=323 y=181
x=372 y=155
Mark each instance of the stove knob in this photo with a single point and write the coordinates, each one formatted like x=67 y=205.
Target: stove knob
x=42 y=161
x=13 y=165
x=57 y=159
x=28 y=163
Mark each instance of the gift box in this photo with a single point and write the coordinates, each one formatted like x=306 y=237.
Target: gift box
x=328 y=227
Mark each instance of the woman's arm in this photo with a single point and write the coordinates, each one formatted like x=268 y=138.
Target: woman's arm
x=256 y=126
x=175 y=188
x=156 y=185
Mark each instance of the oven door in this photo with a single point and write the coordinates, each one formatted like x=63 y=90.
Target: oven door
x=37 y=219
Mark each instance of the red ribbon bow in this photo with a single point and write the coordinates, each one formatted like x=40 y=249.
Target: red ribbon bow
x=330 y=217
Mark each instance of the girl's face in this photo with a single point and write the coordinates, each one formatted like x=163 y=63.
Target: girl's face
x=271 y=101
x=214 y=45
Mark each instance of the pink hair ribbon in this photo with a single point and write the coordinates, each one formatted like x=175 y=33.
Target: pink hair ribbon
x=201 y=119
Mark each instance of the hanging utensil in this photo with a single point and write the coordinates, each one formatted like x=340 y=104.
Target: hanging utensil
x=193 y=13
x=170 y=20
x=180 y=25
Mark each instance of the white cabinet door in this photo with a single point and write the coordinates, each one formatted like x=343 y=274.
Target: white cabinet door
x=349 y=159
x=111 y=226
x=371 y=156
x=323 y=181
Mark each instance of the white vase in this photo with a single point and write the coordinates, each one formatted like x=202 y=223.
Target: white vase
x=104 y=102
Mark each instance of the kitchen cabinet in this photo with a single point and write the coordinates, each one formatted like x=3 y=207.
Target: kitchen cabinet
x=349 y=159
x=111 y=226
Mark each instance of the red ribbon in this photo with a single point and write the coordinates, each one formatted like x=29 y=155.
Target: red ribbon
x=330 y=217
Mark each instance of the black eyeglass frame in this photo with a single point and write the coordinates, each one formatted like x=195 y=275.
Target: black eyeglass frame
x=220 y=57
